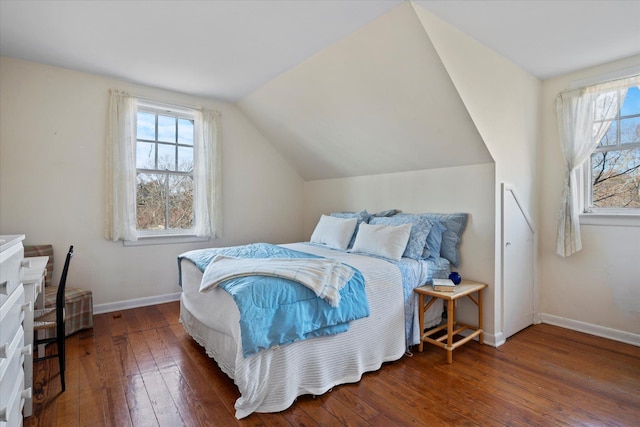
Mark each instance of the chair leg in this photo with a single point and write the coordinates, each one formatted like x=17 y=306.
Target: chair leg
x=61 y=360
x=60 y=339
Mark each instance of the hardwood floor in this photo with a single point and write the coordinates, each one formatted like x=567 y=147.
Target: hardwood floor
x=139 y=368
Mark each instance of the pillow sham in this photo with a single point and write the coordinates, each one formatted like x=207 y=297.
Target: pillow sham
x=434 y=239
x=334 y=232
x=390 y=212
x=382 y=240
x=454 y=225
x=420 y=227
x=362 y=216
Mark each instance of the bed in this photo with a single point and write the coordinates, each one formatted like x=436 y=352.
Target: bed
x=271 y=379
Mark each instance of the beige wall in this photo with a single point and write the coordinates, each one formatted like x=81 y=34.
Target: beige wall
x=52 y=130
x=598 y=288
x=378 y=101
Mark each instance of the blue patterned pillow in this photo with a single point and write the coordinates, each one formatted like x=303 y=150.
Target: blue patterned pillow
x=454 y=224
x=390 y=212
x=362 y=216
x=420 y=227
x=434 y=239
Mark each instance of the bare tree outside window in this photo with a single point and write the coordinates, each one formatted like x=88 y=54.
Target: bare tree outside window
x=615 y=164
x=164 y=162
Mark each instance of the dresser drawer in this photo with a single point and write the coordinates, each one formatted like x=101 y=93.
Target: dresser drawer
x=11 y=316
x=10 y=261
x=11 y=414
x=10 y=363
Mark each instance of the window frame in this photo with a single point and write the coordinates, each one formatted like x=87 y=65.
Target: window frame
x=167 y=235
x=600 y=216
x=590 y=215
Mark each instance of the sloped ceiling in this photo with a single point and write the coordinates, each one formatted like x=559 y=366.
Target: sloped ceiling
x=377 y=101
x=224 y=49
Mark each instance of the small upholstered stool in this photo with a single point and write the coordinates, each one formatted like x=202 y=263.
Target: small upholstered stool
x=78 y=308
x=78 y=303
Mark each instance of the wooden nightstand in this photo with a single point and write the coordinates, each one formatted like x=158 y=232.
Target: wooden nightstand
x=465 y=288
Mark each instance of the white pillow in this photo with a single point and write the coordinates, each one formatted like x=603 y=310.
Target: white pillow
x=387 y=241
x=334 y=232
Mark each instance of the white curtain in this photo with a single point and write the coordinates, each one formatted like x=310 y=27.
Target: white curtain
x=120 y=169
x=584 y=116
x=207 y=174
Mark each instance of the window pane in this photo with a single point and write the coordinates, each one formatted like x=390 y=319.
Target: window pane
x=631 y=104
x=150 y=199
x=616 y=178
x=185 y=159
x=166 y=157
x=165 y=150
x=181 y=202
x=146 y=155
x=611 y=137
x=185 y=131
x=146 y=126
x=630 y=130
x=166 y=128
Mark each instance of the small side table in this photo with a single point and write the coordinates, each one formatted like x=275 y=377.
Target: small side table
x=465 y=288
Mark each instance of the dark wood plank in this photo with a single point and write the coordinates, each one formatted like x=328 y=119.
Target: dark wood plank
x=158 y=348
x=140 y=368
x=170 y=312
x=138 y=402
x=122 y=322
x=164 y=407
x=115 y=406
x=313 y=408
x=575 y=386
x=111 y=342
x=204 y=405
x=150 y=318
x=136 y=345
x=98 y=361
x=217 y=383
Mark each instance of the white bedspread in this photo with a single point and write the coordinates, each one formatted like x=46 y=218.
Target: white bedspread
x=271 y=380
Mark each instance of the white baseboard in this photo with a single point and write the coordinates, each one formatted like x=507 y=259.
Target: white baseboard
x=588 y=328
x=495 y=340
x=134 y=303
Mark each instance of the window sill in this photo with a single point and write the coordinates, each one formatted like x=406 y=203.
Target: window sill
x=164 y=240
x=620 y=220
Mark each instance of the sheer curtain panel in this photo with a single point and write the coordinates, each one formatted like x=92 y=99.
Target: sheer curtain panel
x=120 y=179
x=584 y=116
x=207 y=174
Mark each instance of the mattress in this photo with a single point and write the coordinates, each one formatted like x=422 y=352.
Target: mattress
x=272 y=379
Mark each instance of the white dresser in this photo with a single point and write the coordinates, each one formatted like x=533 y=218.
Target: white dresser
x=12 y=337
x=33 y=275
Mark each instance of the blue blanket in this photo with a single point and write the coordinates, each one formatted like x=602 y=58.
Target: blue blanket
x=275 y=311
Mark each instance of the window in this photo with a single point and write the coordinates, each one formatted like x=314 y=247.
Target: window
x=613 y=175
x=599 y=132
x=164 y=171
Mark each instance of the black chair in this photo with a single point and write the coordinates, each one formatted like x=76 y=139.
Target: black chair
x=53 y=318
